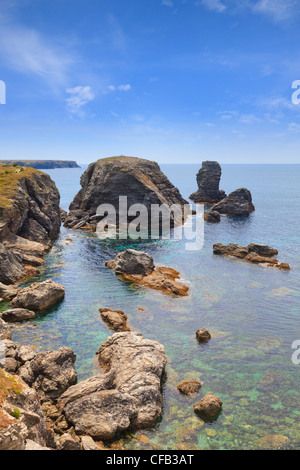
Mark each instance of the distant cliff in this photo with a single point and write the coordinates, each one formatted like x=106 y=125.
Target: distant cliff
x=43 y=164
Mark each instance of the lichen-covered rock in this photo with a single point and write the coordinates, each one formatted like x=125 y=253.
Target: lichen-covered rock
x=141 y=181
x=208 y=180
x=209 y=407
x=21 y=416
x=115 y=319
x=127 y=396
x=238 y=203
x=253 y=253
x=142 y=271
x=39 y=296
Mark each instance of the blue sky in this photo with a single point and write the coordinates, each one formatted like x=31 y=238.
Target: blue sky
x=176 y=81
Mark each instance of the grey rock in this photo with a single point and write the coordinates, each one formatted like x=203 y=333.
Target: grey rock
x=212 y=216
x=39 y=296
x=133 y=262
x=11 y=266
x=238 y=203
x=208 y=180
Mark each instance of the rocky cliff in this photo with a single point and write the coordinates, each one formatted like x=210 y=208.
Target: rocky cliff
x=104 y=181
x=29 y=220
x=42 y=164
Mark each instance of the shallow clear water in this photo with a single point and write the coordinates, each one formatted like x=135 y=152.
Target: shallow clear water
x=253 y=312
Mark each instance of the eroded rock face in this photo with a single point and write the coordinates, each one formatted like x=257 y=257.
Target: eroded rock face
x=39 y=296
x=127 y=396
x=104 y=181
x=253 y=253
x=238 y=203
x=11 y=266
x=208 y=180
x=142 y=271
x=209 y=407
x=21 y=416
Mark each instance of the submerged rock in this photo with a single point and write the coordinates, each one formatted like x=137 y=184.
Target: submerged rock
x=209 y=407
x=251 y=253
x=272 y=442
x=239 y=203
x=127 y=396
x=39 y=296
x=143 y=271
x=141 y=181
x=115 y=319
x=190 y=387
x=208 y=180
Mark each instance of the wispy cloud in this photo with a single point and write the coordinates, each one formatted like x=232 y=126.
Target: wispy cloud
x=214 y=5
x=167 y=3
x=80 y=96
x=111 y=88
x=277 y=10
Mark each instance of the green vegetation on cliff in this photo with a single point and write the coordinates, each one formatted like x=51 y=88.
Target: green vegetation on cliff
x=10 y=175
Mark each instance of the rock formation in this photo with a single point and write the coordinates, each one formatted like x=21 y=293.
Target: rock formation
x=39 y=296
x=190 y=388
x=104 y=181
x=138 y=267
x=239 y=203
x=208 y=180
x=209 y=407
x=127 y=396
x=115 y=319
x=212 y=216
x=253 y=253
x=17 y=315
x=29 y=220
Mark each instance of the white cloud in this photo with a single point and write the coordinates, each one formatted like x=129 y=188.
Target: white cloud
x=167 y=3
x=110 y=88
x=80 y=96
x=249 y=118
x=214 y=5
x=277 y=10
x=124 y=87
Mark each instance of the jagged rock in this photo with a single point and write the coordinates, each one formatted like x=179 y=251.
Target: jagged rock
x=39 y=296
x=239 y=203
x=127 y=396
x=190 y=387
x=21 y=415
x=11 y=266
x=141 y=181
x=51 y=373
x=161 y=278
x=5 y=332
x=209 y=407
x=8 y=292
x=17 y=315
x=208 y=180
x=203 y=335
x=115 y=319
x=212 y=216
x=251 y=254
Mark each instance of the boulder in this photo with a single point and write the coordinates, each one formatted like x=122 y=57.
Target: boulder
x=127 y=396
x=50 y=373
x=8 y=292
x=39 y=296
x=115 y=319
x=238 y=203
x=141 y=181
x=17 y=315
x=143 y=271
x=190 y=387
x=203 y=335
x=212 y=216
x=209 y=407
x=208 y=180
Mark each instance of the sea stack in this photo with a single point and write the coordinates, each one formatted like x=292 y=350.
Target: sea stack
x=141 y=181
x=208 y=180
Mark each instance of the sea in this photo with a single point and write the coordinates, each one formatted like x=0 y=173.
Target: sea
x=252 y=312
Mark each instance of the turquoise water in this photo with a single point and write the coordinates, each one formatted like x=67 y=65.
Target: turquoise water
x=253 y=313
